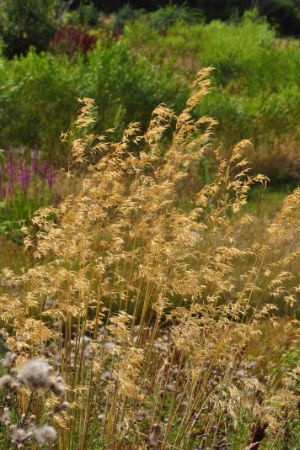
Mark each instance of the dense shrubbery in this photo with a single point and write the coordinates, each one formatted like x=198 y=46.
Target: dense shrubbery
x=256 y=87
x=38 y=95
x=284 y=14
x=255 y=93
x=26 y=23
x=165 y=17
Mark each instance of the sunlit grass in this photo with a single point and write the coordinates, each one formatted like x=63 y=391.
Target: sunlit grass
x=158 y=317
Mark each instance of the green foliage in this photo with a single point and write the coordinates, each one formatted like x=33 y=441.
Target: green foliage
x=26 y=23
x=16 y=212
x=164 y=17
x=252 y=95
x=250 y=55
x=38 y=93
x=289 y=362
x=246 y=55
x=125 y=14
x=23 y=190
x=87 y=13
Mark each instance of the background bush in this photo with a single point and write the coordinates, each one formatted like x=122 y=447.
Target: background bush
x=164 y=17
x=284 y=13
x=255 y=90
x=38 y=94
x=26 y=23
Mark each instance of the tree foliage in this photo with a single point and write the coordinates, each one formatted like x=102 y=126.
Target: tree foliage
x=26 y=23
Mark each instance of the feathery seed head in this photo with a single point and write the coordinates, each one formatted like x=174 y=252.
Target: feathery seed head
x=45 y=434
x=6 y=381
x=35 y=374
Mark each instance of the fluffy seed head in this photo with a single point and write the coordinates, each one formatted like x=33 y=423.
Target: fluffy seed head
x=6 y=381
x=6 y=416
x=45 y=434
x=57 y=388
x=8 y=360
x=19 y=435
x=156 y=434
x=35 y=374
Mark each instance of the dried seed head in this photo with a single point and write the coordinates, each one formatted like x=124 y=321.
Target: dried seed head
x=45 y=434
x=15 y=385
x=60 y=407
x=35 y=374
x=5 y=419
x=8 y=360
x=157 y=431
x=19 y=435
x=6 y=381
x=84 y=341
x=57 y=388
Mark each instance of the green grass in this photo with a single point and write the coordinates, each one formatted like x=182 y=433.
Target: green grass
x=265 y=202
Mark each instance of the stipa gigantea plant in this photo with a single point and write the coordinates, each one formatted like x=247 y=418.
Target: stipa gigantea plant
x=148 y=311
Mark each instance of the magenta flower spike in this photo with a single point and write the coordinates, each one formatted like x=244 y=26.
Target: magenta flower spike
x=44 y=169
x=50 y=177
x=10 y=166
x=25 y=179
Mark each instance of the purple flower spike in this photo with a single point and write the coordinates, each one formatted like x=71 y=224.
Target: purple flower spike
x=15 y=173
x=25 y=179
x=20 y=164
x=44 y=169
x=50 y=177
x=36 y=192
x=10 y=168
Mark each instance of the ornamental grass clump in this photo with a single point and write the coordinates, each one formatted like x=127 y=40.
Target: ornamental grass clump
x=152 y=310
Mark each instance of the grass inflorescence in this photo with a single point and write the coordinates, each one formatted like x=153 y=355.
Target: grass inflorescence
x=146 y=324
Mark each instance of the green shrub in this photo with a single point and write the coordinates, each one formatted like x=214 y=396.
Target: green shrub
x=247 y=55
x=252 y=96
x=164 y=17
x=125 y=14
x=256 y=84
x=88 y=13
x=26 y=23
x=38 y=93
